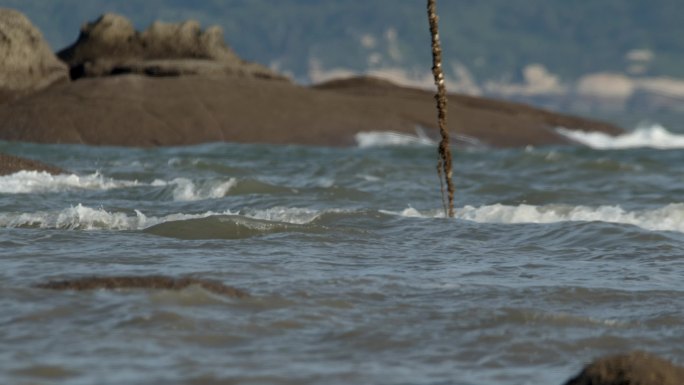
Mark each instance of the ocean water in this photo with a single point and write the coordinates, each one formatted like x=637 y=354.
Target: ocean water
x=557 y=255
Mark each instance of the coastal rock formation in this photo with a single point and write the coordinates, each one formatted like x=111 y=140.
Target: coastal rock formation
x=111 y=45
x=133 y=110
x=27 y=63
x=10 y=164
x=156 y=282
x=153 y=101
x=636 y=368
x=493 y=122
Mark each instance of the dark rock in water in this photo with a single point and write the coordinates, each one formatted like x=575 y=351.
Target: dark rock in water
x=493 y=122
x=134 y=110
x=27 y=63
x=111 y=46
x=636 y=368
x=156 y=282
x=10 y=164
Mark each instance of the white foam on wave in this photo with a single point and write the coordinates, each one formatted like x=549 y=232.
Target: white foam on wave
x=293 y=215
x=392 y=138
x=666 y=218
x=24 y=182
x=186 y=190
x=78 y=217
x=654 y=136
x=81 y=217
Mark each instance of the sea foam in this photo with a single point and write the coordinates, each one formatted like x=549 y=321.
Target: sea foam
x=655 y=136
x=82 y=217
x=391 y=138
x=79 y=217
x=666 y=218
x=185 y=189
x=24 y=182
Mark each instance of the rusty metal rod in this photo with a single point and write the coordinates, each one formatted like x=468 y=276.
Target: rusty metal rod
x=444 y=166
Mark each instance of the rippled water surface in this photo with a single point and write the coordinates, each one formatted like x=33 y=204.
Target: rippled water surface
x=557 y=255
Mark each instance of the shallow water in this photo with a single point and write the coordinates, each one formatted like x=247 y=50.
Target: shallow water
x=557 y=255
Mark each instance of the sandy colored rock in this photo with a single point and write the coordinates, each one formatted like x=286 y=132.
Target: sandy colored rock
x=131 y=110
x=635 y=368
x=111 y=45
x=27 y=63
x=155 y=282
x=11 y=164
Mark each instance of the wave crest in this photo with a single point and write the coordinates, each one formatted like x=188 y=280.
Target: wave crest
x=666 y=218
x=655 y=136
x=24 y=182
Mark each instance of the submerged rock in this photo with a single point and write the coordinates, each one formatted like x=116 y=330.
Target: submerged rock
x=156 y=282
x=10 y=164
x=27 y=64
x=635 y=368
x=111 y=45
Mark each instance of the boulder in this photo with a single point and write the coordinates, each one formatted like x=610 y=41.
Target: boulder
x=635 y=368
x=150 y=282
x=110 y=45
x=27 y=64
x=134 y=110
x=11 y=164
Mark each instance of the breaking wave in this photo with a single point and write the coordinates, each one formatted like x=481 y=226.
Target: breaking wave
x=186 y=190
x=81 y=217
x=666 y=218
x=24 y=182
x=655 y=136
x=391 y=138
x=180 y=189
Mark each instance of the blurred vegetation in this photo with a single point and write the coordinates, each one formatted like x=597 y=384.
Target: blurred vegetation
x=494 y=39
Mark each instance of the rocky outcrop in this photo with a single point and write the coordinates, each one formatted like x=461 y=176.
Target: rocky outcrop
x=27 y=63
x=493 y=122
x=133 y=110
x=154 y=282
x=11 y=164
x=152 y=102
x=111 y=45
x=636 y=368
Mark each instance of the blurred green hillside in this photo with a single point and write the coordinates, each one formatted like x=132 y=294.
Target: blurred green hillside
x=494 y=39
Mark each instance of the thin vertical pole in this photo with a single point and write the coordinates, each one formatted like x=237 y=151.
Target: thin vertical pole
x=444 y=162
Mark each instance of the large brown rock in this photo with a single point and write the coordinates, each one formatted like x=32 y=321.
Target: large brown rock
x=10 y=164
x=636 y=368
x=132 y=110
x=27 y=63
x=111 y=45
x=228 y=99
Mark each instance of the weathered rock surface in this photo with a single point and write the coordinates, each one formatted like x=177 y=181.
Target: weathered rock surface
x=493 y=122
x=636 y=368
x=152 y=102
x=10 y=164
x=132 y=110
x=27 y=63
x=111 y=45
x=155 y=282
